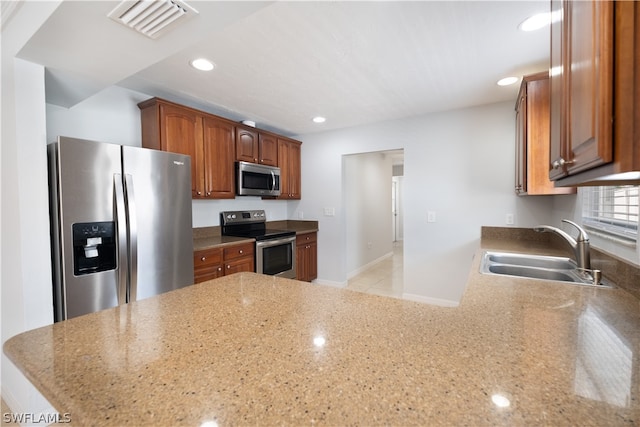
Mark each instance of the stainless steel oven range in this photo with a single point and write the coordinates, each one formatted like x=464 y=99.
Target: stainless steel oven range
x=275 y=249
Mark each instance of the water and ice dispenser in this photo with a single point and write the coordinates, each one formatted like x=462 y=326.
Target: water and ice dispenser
x=94 y=247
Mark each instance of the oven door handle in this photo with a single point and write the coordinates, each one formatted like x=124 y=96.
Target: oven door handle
x=275 y=242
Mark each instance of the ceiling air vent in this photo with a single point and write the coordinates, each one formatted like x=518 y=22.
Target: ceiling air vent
x=151 y=17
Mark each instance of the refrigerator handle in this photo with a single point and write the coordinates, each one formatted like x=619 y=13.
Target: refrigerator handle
x=121 y=224
x=133 y=238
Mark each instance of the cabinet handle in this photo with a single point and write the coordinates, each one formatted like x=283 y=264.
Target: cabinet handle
x=557 y=164
x=199 y=193
x=203 y=258
x=219 y=268
x=208 y=193
x=240 y=251
x=228 y=267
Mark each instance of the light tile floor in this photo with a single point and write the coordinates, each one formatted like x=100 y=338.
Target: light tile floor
x=384 y=278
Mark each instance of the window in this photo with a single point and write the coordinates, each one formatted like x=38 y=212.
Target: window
x=612 y=211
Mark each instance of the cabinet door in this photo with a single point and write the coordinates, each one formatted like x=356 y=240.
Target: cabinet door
x=581 y=87
x=558 y=96
x=307 y=257
x=294 y=173
x=268 y=150
x=181 y=132
x=521 y=112
x=246 y=145
x=207 y=265
x=219 y=157
x=244 y=264
x=302 y=263
x=290 y=172
x=590 y=83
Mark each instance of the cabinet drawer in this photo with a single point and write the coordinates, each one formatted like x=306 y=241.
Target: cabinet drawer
x=207 y=258
x=304 y=239
x=238 y=251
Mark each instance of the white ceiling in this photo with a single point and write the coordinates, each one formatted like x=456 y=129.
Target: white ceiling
x=282 y=63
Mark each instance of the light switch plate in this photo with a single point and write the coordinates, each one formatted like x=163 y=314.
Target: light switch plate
x=329 y=211
x=431 y=216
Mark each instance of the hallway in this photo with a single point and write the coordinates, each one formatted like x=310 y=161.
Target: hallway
x=384 y=278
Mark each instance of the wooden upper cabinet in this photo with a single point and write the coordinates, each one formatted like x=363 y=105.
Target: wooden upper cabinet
x=246 y=145
x=209 y=140
x=532 y=138
x=171 y=128
x=256 y=147
x=219 y=158
x=557 y=123
x=267 y=149
x=521 y=130
x=290 y=168
x=594 y=76
x=215 y=144
x=589 y=84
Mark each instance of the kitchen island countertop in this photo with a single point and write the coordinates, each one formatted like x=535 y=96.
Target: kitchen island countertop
x=249 y=349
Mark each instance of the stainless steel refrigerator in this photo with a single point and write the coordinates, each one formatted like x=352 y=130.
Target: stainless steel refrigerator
x=120 y=222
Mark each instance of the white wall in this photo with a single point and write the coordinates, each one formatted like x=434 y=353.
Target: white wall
x=367 y=195
x=459 y=164
x=27 y=301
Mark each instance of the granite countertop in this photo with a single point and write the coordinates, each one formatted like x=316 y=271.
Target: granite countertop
x=249 y=349
x=210 y=237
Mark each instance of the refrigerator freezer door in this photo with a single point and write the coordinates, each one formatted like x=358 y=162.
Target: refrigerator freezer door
x=82 y=186
x=158 y=190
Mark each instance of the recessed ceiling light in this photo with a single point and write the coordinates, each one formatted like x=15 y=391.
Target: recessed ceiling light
x=540 y=20
x=202 y=64
x=319 y=119
x=508 y=81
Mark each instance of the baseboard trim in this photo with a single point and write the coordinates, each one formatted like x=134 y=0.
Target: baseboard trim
x=428 y=300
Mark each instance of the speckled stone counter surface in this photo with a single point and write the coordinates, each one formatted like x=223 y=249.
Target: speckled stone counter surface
x=248 y=349
x=209 y=237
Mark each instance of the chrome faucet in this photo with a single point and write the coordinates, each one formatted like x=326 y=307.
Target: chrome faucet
x=580 y=245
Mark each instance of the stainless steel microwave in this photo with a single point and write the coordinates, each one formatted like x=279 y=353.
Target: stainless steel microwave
x=257 y=180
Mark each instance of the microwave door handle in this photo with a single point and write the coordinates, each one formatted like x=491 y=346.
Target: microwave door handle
x=273 y=181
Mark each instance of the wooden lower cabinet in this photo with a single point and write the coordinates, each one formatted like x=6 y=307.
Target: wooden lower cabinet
x=207 y=265
x=239 y=258
x=212 y=263
x=307 y=257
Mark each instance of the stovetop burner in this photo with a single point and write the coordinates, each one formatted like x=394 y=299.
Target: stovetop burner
x=251 y=223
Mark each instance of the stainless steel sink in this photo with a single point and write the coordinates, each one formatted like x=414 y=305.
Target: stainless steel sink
x=532 y=260
x=558 y=269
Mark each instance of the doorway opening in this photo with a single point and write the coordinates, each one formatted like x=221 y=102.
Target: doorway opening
x=373 y=183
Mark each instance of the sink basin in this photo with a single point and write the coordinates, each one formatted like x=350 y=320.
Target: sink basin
x=532 y=260
x=558 y=269
x=533 y=273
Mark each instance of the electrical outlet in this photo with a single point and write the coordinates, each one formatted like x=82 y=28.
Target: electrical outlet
x=329 y=211
x=509 y=219
x=431 y=216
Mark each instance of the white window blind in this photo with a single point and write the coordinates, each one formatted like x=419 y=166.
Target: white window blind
x=612 y=210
